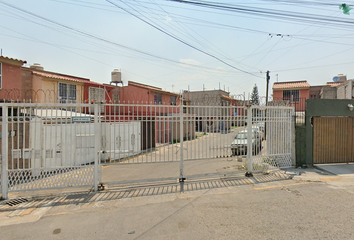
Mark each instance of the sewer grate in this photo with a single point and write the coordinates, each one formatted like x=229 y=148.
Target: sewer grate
x=16 y=201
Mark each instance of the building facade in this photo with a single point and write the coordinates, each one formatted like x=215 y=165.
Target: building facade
x=12 y=87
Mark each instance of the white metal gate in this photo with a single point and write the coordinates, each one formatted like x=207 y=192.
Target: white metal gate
x=47 y=146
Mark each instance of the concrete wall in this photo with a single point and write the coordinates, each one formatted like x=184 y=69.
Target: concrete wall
x=315 y=91
x=323 y=108
x=329 y=93
x=341 y=90
x=212 y=97
x=345 y=90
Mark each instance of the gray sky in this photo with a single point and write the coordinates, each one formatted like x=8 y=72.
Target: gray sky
x=176 y=45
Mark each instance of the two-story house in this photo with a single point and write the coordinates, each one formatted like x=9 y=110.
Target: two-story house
x=295 y=92
x=148 y=103
x=214 y=118
x=12 y=87
x=53 y=87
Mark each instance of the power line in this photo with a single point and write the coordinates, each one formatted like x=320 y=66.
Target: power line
x=288 y=15
x=182 y=41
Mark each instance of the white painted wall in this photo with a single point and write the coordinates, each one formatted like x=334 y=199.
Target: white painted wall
x=73 y=144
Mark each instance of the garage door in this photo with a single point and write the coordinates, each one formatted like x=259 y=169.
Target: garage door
x=333 y=140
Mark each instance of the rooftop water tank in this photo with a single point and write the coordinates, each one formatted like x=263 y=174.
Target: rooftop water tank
x=116 y=76
x=36 y=66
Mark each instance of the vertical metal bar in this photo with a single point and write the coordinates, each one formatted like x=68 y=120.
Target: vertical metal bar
x=96 y=129
x=181 y=173
x=100 y=141
x=249 y=140
x=5 y=144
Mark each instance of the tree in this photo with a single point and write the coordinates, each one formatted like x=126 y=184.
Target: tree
x=255 y=96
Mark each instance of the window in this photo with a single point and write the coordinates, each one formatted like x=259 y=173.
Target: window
x=0 y=75
x=291 y=95
x=97 y=96
x=67 y=93
x=158 y=98
x=173 y=100
x=115 y=98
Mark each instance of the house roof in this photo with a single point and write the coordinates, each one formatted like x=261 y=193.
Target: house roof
x=291 y=85
x=13 y=59
x=60 y=76
x=227 y=97
x=333 y=84
x=154 y=89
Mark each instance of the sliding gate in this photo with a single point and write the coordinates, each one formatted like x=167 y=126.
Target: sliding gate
x=46 y=146
x=185 y=142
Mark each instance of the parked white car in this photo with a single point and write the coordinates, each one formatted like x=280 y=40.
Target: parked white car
x=239 y=144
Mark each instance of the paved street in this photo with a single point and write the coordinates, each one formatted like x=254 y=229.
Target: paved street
x=211 y=145
x=265 y=207
x=212 y=151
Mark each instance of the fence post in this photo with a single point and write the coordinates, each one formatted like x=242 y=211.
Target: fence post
x=249 y=143
x=181 y=130
x=97 y=153
x=4 y=146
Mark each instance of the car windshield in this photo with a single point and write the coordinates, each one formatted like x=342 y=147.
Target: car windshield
x=242 y=136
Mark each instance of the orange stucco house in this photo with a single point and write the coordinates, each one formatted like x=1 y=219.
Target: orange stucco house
x=296 y=92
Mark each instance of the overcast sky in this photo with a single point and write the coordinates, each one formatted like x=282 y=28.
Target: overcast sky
x=177 y=46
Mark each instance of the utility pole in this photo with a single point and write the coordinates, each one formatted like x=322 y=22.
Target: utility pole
x=265 y=112
x=267 y=79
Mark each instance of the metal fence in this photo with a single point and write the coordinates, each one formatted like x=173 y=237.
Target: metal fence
x=47 y=146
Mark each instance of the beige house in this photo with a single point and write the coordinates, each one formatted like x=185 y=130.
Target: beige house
x=216 y=116
x=52 y=87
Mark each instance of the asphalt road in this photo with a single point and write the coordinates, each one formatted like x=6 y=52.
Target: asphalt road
x=208 y=154
x=211 y=145
x=279 y=209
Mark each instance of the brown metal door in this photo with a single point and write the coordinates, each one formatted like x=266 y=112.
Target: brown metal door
x=333 y=140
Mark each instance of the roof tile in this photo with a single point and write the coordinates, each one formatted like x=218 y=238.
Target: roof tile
x=333 y=84
x=14 y=59
x=291 y=85
x=61 y=77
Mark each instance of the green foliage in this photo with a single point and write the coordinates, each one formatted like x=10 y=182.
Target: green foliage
x=255 y=95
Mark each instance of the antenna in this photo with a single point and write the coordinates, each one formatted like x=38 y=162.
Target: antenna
x=336 y=79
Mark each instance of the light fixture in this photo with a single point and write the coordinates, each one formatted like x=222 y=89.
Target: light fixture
x=350 y=106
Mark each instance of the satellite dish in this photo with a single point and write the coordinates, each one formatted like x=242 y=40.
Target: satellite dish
x=336 y=79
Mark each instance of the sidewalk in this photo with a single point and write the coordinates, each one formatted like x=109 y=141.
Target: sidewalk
x=267 y=206
x=323 y=173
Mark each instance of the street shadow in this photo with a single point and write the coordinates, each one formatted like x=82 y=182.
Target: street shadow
x=141 y=190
